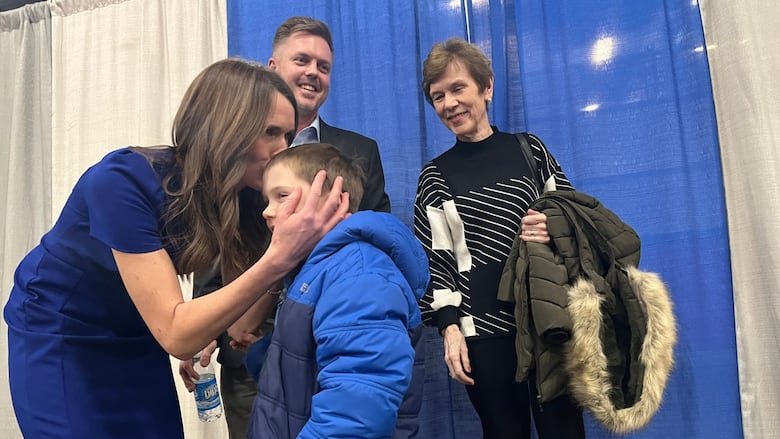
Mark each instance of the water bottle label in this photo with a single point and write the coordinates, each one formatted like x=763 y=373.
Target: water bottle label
x=207 y=393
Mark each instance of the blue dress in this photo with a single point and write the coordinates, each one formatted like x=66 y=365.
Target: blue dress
x=82 y=363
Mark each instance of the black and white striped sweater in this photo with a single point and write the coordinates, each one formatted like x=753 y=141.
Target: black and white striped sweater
x=468 y=208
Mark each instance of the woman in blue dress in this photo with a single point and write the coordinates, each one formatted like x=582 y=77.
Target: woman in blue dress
x=96 y=307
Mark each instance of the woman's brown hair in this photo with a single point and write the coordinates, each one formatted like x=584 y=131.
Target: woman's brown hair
x=222 y=114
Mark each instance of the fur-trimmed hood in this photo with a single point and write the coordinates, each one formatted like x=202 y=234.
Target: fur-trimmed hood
x=615 y=355
x=587 y=363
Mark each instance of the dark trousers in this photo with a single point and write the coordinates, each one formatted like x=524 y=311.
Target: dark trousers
x=504 y=406
x=238 y=395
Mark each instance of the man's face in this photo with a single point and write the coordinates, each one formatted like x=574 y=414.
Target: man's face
x=304 y=62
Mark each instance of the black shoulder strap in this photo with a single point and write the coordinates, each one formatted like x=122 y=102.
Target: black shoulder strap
x=525 y=146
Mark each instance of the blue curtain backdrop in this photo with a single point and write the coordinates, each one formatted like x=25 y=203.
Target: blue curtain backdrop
x=619 y=91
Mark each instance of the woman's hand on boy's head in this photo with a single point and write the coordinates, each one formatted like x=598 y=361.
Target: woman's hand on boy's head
x=296 y=233
x=336 y=205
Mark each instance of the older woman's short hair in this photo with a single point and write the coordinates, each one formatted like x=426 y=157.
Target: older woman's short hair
x=456 y=50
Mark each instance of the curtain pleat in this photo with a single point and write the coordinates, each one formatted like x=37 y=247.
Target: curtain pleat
x=621 y=94
x=120 y=70
x=84 y=78
x=25 y=156
x=742 y=42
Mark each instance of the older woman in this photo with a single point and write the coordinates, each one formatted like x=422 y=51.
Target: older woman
x=470 y=203
x=96 y=307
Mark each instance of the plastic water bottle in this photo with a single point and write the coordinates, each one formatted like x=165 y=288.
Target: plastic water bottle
x=206 y=392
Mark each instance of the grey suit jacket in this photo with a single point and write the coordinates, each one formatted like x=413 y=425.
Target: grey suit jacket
x=365 y=152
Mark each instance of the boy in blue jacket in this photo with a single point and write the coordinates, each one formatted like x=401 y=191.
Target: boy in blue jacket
x=341 y=358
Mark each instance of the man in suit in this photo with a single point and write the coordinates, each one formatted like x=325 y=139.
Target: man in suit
x=303 y=57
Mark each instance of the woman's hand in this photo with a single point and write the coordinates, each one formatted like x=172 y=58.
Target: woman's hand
x=296 y=233
x=534 y=227
x=456 y=355
x=182 y=327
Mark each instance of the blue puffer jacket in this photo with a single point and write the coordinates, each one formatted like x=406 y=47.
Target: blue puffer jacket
x=342 y=353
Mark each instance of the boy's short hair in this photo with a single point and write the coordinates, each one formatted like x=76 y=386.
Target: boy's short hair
x=308 y=159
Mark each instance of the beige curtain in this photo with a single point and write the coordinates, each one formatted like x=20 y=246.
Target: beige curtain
x=742 y=46
x=80 y=78
x=25 y=156
x=118 y=74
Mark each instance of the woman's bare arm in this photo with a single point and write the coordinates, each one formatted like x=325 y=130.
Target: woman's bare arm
x=183 y=328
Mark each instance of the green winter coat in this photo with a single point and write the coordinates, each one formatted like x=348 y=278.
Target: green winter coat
x=588 y=322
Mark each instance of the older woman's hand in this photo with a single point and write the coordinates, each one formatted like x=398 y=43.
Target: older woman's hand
x=456 y=355
x=534 y=227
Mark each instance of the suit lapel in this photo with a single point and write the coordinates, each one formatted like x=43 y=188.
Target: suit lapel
x=327 y=132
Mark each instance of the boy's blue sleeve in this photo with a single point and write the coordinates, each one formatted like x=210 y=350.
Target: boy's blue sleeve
x=364 y=356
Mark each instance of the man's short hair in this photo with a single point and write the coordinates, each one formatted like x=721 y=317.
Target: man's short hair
x=302 y=24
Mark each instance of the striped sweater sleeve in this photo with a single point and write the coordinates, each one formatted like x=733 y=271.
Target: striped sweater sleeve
x=439 y=306
x=550 y=169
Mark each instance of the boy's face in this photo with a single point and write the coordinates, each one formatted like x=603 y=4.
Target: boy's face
x=279 y=181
